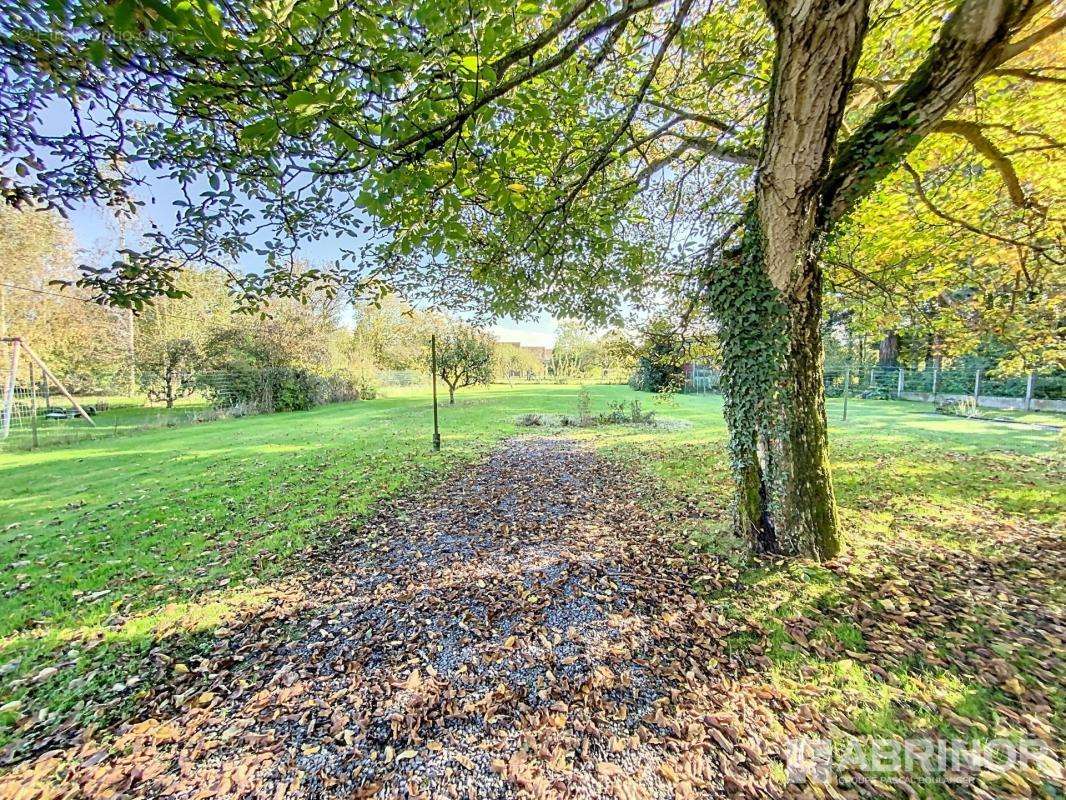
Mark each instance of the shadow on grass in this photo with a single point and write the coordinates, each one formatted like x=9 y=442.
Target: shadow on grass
x=909 y=639
x=65 y=685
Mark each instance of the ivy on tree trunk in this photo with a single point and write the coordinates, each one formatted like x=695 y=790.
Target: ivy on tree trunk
x=775 y=406
x=768 y=296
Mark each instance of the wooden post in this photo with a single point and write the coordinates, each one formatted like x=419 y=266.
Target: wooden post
x=49 y=376
x=1030 y=386
x=133 y=355
x=33 y=408
x=9 y=389
x=899 y=385
x=847 y=386
x=433 y=362
x=977 y=386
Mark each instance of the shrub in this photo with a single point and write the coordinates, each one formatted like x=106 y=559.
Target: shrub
x=280 y=388
x=584 y=409
x=338 y=388
x=638 y=415
x=244 y=409
x=657 y=375
x=365 y=385
x=615 y=414
x=878 y=393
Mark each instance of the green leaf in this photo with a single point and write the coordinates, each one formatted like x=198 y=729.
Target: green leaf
x=264 y=132
x=124 y=14
x=164 y=11
x=307 y=104
x=97 y=52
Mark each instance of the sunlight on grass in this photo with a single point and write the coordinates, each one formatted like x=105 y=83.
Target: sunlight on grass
x=124 y=543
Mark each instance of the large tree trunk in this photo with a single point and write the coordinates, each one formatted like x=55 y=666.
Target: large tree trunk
x=768 y=299
x=888 y=350
x=775 y=407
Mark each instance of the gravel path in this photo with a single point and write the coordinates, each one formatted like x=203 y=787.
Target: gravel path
x=526 y=630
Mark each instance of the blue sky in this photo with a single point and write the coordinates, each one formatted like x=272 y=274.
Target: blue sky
x=97 y=234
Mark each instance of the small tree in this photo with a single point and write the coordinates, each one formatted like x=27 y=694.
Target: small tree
x=464 y=357
x=169 y=374
x=510 y=361
x=662 y=353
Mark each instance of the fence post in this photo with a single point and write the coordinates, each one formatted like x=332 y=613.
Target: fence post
x=899 y=385
x=847 y=386
x=9 y=389
x=936 y=383
x=433 y=358
x=976 y=385
x=1030 y=385
x=33 y=407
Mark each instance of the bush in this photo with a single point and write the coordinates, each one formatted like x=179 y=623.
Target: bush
x=655 y=375
x=281 y=388
x=966 y=407
x=365 y=386
x=339 y=388
x=878 y=393
x=618 y=414
x=638 y=415
x=294 y=388
x=245 y=409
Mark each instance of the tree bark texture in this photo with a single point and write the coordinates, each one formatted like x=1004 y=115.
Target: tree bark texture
x=769 y=299
x=888 y=350
x=766 y=294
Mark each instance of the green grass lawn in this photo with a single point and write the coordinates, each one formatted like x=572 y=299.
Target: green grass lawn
x=935 y=621
x=117 y=539
x=111 y=544
x=114 y=416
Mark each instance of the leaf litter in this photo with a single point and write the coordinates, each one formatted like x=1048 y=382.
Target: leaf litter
x=532 y=628
x=509 y=634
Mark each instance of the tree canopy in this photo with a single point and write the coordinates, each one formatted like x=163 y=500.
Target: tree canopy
x=491 y=142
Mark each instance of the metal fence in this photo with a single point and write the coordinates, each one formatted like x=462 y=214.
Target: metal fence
x=35 y=412
x=1031 y=392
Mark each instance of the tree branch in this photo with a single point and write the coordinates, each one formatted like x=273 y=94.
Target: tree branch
x=735 y=155
x=971 y=132
x=1034 y=75
x=705 y=119
x=973 y=40
x=919 y=189
x=662 y=162
x=436 y=135
x=1013 y=49
x=534 y=45
x=603 y=154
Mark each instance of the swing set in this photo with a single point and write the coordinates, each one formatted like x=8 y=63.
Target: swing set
x=15 y=397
